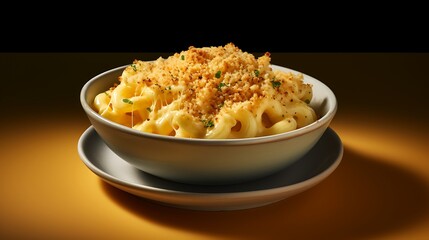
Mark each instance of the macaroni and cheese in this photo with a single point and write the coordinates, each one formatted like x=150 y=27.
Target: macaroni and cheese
x=209 y=92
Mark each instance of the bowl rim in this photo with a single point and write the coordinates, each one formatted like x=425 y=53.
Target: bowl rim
x=320 y=122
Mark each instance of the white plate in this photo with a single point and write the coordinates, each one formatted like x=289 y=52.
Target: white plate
x=308 y=171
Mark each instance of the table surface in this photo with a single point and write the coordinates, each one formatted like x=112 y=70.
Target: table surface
x=379 y=191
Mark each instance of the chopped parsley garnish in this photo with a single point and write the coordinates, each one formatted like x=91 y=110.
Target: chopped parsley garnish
x=126 y=100
x=134 y=67
x=256 y=72
x=221 y=85
x=168 y=88
x=218 y=73
x=182 y=57
x=276 y=84
x=307 y=101
x=208 y=123
x=149 y=109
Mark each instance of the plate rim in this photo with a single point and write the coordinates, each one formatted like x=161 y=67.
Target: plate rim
x=139 y=187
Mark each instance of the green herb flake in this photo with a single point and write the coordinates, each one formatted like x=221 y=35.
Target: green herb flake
x=276 y=84
x=168 y=88
x=256 y=72
x=221 y=85
x=182 y=57
x=208 y=123
x=134 y=67
x=307 y=101
x=218 y=74
x=126 y=100
x=149 y=109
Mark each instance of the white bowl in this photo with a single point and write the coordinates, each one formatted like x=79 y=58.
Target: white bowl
x=208 y=161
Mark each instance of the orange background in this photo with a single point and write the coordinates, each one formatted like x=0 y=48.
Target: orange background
x=379 y=191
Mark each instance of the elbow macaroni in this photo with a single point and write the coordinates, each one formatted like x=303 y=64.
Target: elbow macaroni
x=210 y=92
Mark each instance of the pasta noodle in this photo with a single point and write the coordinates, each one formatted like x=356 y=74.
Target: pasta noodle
x=209 y=92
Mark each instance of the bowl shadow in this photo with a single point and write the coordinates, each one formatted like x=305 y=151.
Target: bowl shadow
x=363 y=197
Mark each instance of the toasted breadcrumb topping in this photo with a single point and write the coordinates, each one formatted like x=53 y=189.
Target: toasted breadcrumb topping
x=209 y=78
